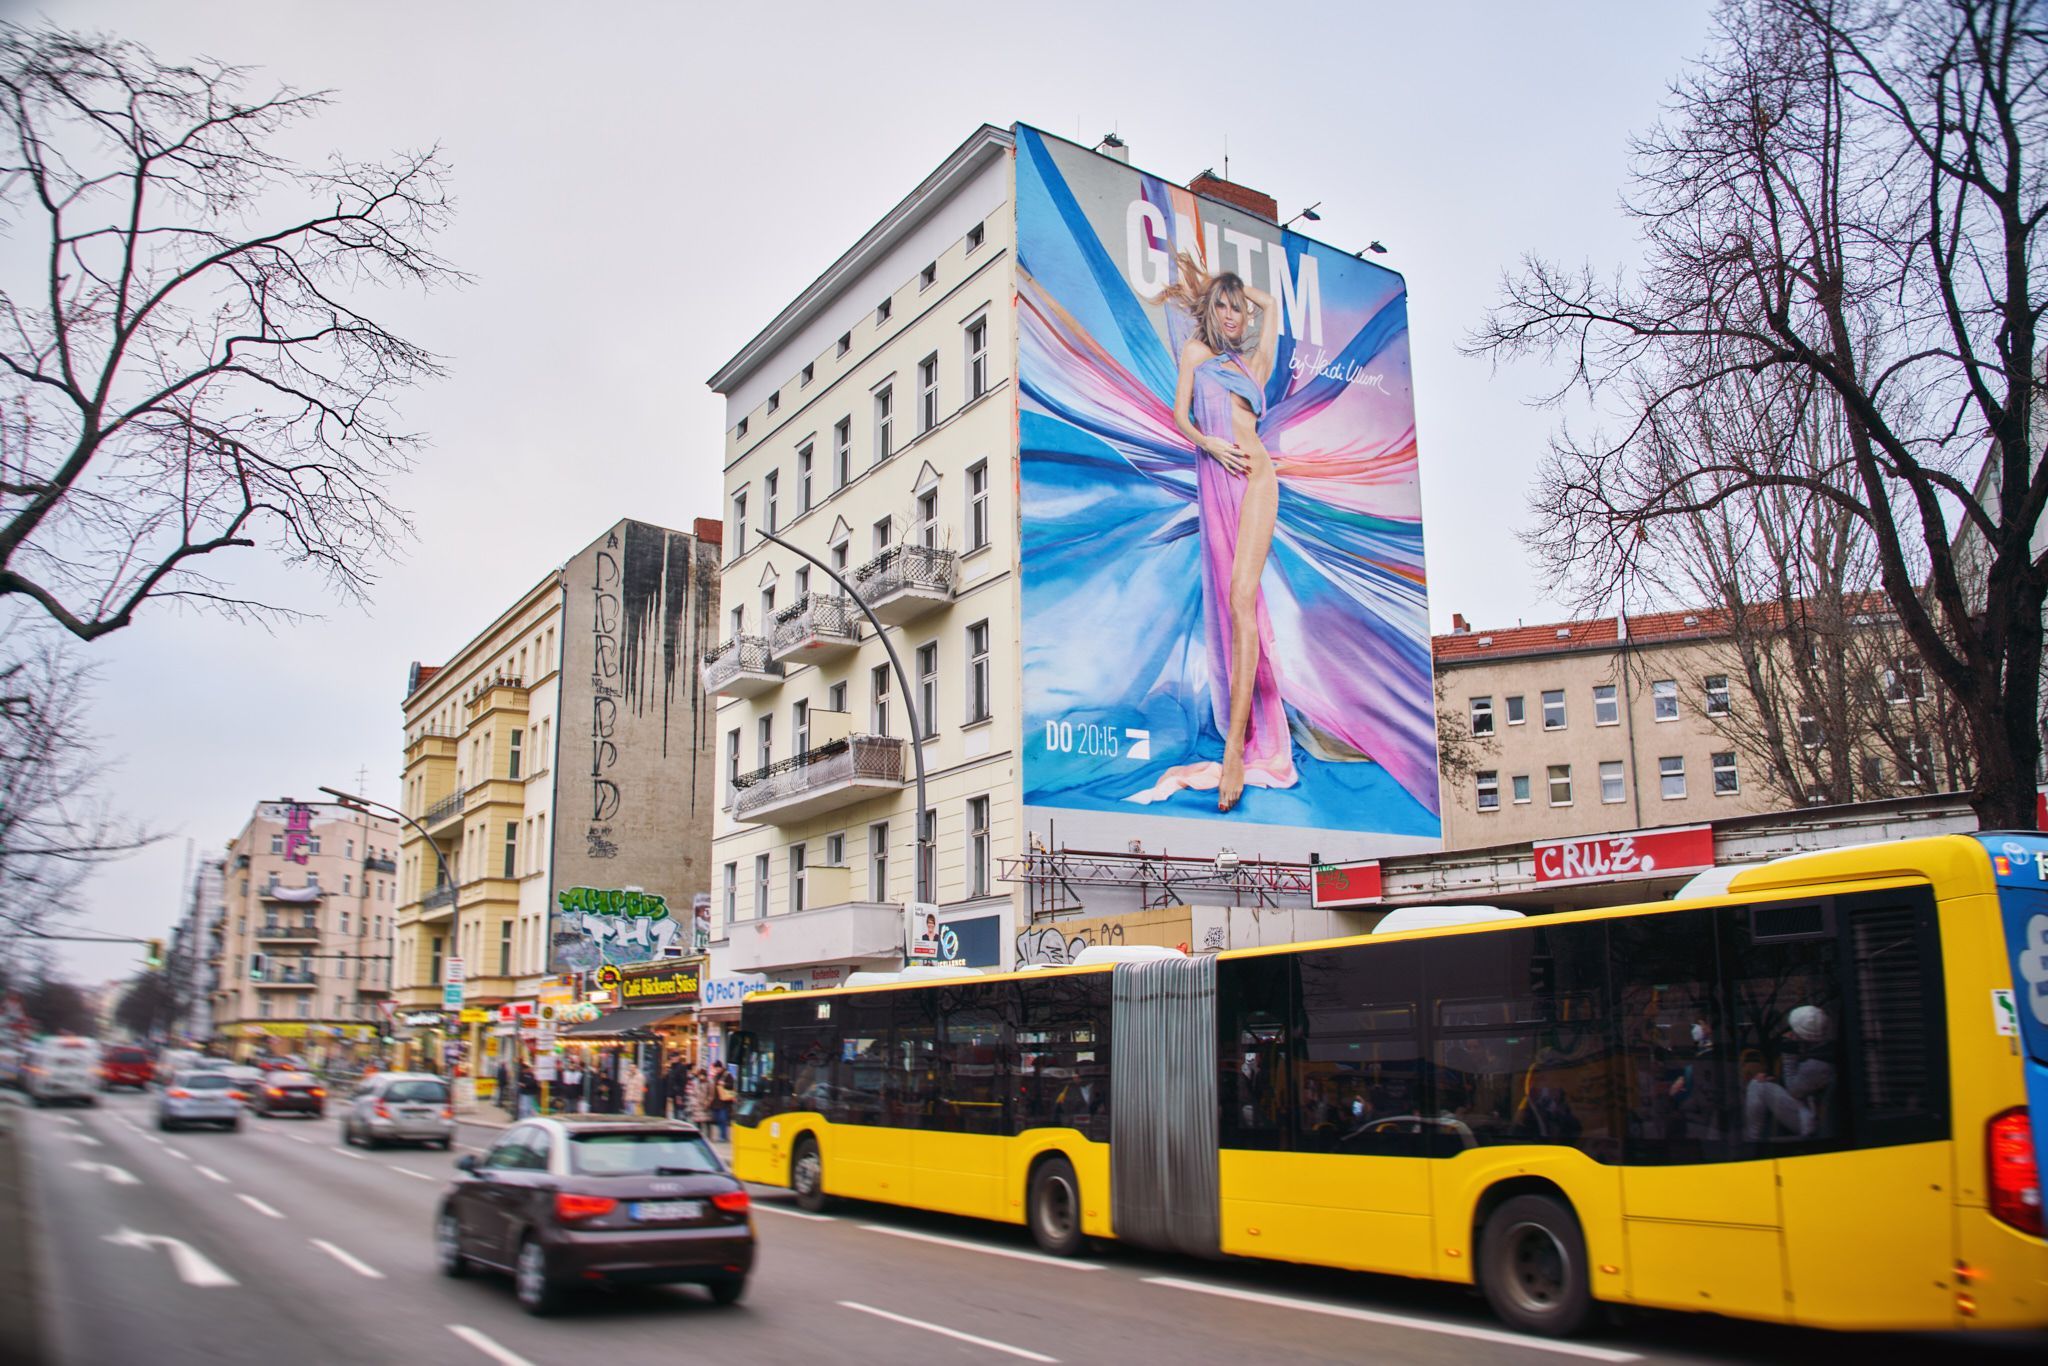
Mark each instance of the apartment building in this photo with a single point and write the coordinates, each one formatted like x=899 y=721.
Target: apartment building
x=560 y=761
x=308 y=898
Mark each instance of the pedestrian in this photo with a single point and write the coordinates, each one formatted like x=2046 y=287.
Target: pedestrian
x=700 y=1100
x=676 y=1092
x=722 y=1097
x=529 y=1093
x=572 y=1088
x=636 y=1089
x=501 y=1077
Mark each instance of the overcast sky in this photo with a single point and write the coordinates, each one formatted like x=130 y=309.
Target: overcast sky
x=642 y=186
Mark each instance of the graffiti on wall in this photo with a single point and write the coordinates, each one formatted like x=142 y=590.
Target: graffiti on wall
x=604 y=700
x=618 y=926
x=1061 y=943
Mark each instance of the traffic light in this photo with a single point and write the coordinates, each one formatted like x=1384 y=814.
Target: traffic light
x=255 y=967
x=153 y=956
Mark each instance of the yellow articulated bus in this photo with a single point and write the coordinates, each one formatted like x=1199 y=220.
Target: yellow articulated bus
x=1805 y=1100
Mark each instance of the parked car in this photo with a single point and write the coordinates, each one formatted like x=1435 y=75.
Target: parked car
x=126 y=1065
x=207 y=1096
x=280 y=1062
x=289 y=1093
x=62 y=1068
x=598 y=1200
x=400 y=1107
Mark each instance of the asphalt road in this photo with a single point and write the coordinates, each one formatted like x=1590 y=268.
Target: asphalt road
x=293 y=1248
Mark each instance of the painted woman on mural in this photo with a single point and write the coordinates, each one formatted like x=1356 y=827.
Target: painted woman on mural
x=1232 y=336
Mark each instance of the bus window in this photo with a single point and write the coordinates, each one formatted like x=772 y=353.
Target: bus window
x=1678 y=1083
x=860 y=1070
x=754 y=1060
x=969 y=1056
x=1358 y=1060
x=1060 y=1055
x=1897 y=1035
x=913 y=1078
x=1253 y=1010
x=806 y=1071
x=1783 y=972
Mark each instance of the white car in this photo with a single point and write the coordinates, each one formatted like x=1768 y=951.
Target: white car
x=64 y=1068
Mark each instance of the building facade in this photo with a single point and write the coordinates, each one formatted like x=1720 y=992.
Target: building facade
x=561 y=765
x=309 y=897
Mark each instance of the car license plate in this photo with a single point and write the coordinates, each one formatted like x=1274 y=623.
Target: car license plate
x=660 y=1211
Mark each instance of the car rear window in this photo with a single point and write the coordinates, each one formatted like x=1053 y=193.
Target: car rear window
x=650 y=1152
x=433 y=1091
x=207 y=1081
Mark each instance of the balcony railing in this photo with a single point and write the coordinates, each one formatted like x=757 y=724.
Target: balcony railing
x=443 y=811
x=822 y=779
x=906 y=581
x=303 y=933
x=741 y=667
x=290 y=977
x=436 y=899
x=816 y=626
x=380 y=865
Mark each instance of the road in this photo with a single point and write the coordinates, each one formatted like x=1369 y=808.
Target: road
x=291 y=1247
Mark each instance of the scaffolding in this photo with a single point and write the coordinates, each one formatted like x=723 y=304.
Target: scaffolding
x=1051 y=877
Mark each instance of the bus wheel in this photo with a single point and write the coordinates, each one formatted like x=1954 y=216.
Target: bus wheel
x=1532 y=1266
x=807 y=1175
x=1054 y=1203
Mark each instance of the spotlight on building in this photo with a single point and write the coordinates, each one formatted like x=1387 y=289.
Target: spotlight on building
x=1226 y=860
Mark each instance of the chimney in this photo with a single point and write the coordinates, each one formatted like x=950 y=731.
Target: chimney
x=1237 y=196
x=1460 y=626
x=709 y=530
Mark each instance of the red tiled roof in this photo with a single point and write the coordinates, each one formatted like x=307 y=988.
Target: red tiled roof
x=1601 y=633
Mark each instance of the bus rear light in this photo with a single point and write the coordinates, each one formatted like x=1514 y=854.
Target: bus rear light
x=2015 y=1178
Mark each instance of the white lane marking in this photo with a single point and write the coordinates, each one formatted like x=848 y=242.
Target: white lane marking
x=952 y=1333
x=767 y=1208
x=120 y=1176
x=191 y=1266
x=504 y=1356
x=154 y=1139
x=182 y=1157
x=72 y=1120
x=408 y=1171
x=356 y=1157
x=209 y=1173
x=471 y=1147
x=87 y=1139
x=993 y=1251
x=253 y=1203
x=361 y=1268
x=298 y=1138
x=1344 y=1311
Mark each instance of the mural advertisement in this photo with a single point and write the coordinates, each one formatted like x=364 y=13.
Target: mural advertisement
x=1219 y=471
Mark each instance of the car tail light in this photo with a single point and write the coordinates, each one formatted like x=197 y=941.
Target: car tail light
x=274 y=1091
x=318 y=1091
x=732 y=1202
x=2015 y=1176
x=383 y=1110
x=447 y=1112
x=573 y=1207
x=178 y=1093
x=238 y=1095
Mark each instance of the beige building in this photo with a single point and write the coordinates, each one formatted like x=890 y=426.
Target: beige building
x=562 y=755
x=309 y=897
x=1578 y=728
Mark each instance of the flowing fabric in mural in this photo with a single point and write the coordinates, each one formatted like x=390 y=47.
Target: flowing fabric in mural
x=1130 y=534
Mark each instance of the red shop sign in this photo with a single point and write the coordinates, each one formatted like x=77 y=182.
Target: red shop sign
x=1347 y=884
x=1625 y=857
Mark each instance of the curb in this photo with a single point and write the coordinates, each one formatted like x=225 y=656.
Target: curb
x=20 y=1330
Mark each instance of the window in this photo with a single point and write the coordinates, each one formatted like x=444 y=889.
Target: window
x=1671 y=776
x=1553 y=709
x=760 y=885
x=928 y=690
x=927 y=393
x=1725 y=782
x=434 y=961
x=1919 y=762
x=803 y=480
x=1717 y=694
x=803 y=582
x=767 y=606
x=512 y=763
x=505 y=949
x=885 y=421
x=732 y=762
x=739 y=523
x=977 y=358
x=312 y=880
x=845 y=344
x=1810 y=734
x=805 y=378
x=741 y=430
x=878 y=713
x=928 y=519
x=277 y=844
x=764 y=742
x=1606 y=705
x=977 y=505
x=842 y=453
x=884 y=533
x=835 y=697
x=978 y=883
x=1560 y=784
x=348 y=847
x=739 y=622
x=732 y=892
x=800 y=726
x=796 y=877
x=771 y=500
x=1664 y=699
x=1613 y=786
x=878 y=861
x=928 y=857
x=1482 y=716
x=1488 y=784
x=883 y=310
x=1516 y=714
x=839 y=551
x=835 y=849
x=346 y=888
x=979 y=702
x=974 y=236
x=1903 y=681
x=1519 y=786
x=511 y=848
x=774 y=400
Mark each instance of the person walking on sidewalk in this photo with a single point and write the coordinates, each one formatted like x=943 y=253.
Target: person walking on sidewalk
x=675 y=1092
x=700 y=1101
x=529 y=1093
x=722 y=1097
x=636 y=1089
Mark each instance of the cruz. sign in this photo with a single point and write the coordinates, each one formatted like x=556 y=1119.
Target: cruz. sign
x=1625 y=857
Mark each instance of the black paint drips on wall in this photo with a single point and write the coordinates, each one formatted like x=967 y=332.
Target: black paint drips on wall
x=654 y=590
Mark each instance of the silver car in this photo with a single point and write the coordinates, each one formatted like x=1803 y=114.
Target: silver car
x=207 y=1097
x=400 y=1107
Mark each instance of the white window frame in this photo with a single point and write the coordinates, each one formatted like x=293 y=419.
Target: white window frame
x=885 y=422
x=762 y=882
x=1718 y=699
x=979 y=846
x=1670 y=767
x=842 y=453
x=928 y=689
x=977 y=505
x=1563 y=717
x=1517 y=709
x=1613 y=782
x=1555 y=774
x=1664 y=700
x=805 y=456
x=878 y=861
x=878 y=700
x=1518 y=789
x=1486 y=790
x=1482 y=716
x=977 y=357
x=1606 y=704
x=928 y=393
x=1730 y=769
x=798 y=878
x=980 y=698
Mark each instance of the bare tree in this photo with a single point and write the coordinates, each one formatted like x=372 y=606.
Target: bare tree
x=187 y=369
x=1846 y=198
x=1459 y=752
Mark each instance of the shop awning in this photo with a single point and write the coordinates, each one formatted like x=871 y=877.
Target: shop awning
x=629 y=1022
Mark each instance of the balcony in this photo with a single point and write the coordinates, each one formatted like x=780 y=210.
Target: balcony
x=829 y=934
x=440 y=813
x=906 y=581
x=440 y=899
x=289 y=978
x=287 y=934
x=380 y=865
x=815 y=628
x=833 y=775
x=741 y=668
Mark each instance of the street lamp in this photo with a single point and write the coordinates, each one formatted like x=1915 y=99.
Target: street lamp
x=350 y=799
x=924 y=834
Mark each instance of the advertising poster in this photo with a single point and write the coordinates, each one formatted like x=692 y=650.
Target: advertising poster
x=1219 y=473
